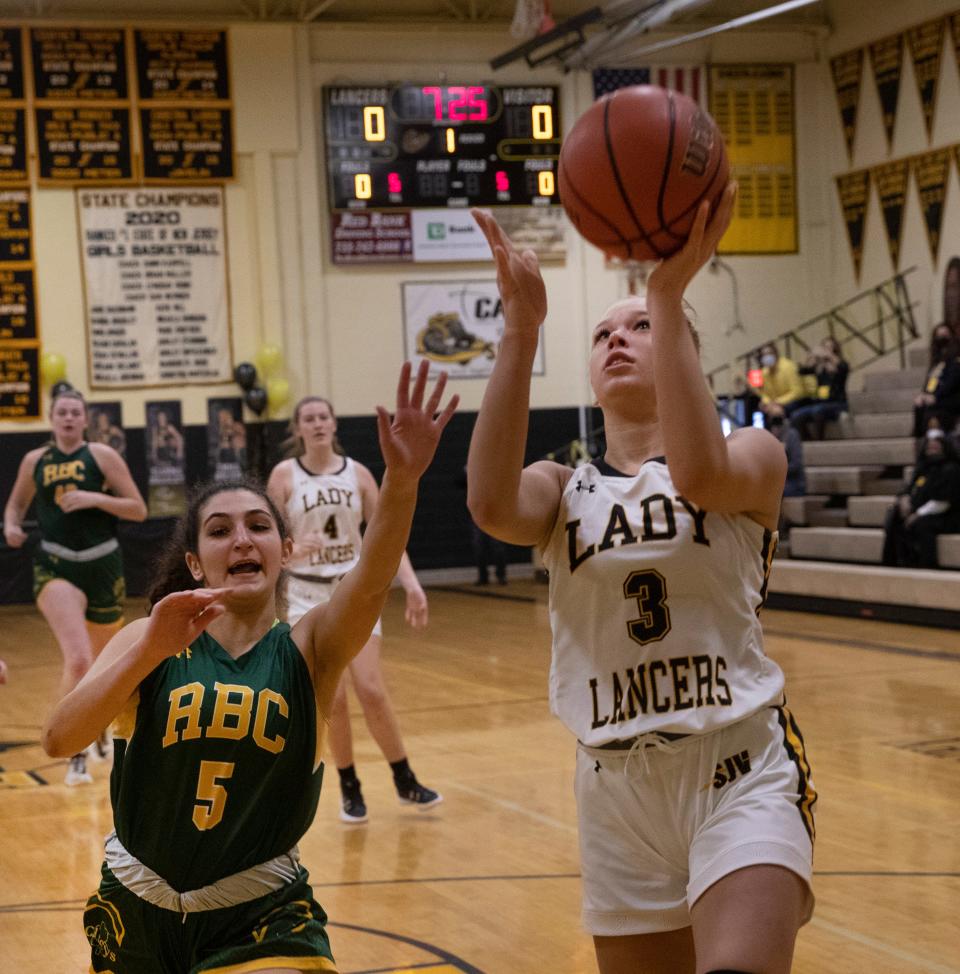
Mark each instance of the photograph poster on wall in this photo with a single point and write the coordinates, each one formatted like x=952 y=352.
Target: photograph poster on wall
x=226 y=439
x=456 y=326
x=155 y=283
x=106 y=425
x=166 y=473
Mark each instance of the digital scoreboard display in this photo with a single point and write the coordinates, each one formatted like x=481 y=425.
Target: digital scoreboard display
x=415 y=145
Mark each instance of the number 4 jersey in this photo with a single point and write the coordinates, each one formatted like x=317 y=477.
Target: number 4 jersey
x=654 y=607
x=329 y=507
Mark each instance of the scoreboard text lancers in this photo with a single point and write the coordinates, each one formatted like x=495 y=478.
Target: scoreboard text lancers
x=441 y=145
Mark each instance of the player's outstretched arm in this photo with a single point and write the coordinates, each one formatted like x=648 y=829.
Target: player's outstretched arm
x=742 y=473
x=132 y=654
x=332 y=635
x=511 y=503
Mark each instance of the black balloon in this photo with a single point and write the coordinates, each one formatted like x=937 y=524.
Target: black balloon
x=256 y=399
x=245 y=375
x=58 y=388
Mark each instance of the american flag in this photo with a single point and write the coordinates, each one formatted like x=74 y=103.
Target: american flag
x=687 y=79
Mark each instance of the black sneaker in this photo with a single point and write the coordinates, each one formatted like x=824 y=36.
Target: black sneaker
x=413 y=793
x=352 y=806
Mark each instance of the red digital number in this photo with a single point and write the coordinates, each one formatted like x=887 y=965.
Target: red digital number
x=477 y=101
x=456 y=104
x=394 y=184
x=503 y=182
x=437 y=101
x=463 y=104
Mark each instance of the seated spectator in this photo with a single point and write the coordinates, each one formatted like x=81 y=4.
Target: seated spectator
x=929 y=507
x=938 y=405
x=830 y=370
x=782 y=383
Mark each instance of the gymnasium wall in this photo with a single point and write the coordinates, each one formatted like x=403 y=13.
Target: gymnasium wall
x=856 y=25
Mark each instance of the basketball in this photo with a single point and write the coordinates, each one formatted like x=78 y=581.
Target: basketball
x=635 y=168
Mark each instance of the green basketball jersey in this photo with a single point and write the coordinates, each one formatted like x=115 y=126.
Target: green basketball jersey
x=217 y=774
x=57 y=472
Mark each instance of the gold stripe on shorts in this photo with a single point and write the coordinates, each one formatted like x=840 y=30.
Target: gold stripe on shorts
x=793 y=742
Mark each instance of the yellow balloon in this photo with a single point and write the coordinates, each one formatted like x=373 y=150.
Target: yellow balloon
x=278 y=392
x=53 y=367
x=270 y=358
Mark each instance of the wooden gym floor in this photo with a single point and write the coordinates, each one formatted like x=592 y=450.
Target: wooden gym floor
x=488 y=882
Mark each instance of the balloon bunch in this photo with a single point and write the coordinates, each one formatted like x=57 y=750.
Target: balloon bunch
x=277 y=390
x=53 y=368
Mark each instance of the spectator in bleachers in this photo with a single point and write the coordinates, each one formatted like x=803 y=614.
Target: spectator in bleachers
x=782 y=382
x=951 y=296
x=938 y=404
x=929 y=507
x=829 y=370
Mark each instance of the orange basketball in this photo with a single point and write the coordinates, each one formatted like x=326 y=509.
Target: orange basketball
x=635 y=168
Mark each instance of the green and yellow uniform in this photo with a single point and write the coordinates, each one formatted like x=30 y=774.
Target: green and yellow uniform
x=81 y=546
x=213 y=785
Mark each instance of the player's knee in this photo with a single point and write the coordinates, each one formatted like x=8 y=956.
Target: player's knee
x=372 y=694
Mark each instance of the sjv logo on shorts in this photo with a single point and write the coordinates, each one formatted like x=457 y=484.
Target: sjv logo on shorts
x=728 y=769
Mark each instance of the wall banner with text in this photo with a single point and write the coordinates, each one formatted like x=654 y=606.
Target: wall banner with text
x=891 y=181
x=854 y=189
x=753 y=105
x=926 y=45
x=456 y=326
x=156 y=286
x=931 y=172
x=847 y=72
x=886 y=56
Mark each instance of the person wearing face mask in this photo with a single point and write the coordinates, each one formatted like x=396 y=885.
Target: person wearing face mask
x=782 y=382
x=929 y=507
x=938 y=404
x=829 y=370
x=80 y=490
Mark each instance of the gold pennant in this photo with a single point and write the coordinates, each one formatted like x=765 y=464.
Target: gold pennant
x=886 y=56
x=931 y=171
x=891 y=182
x=854 y=189
x=955 y=34
x=847 y=73
x=926 y=46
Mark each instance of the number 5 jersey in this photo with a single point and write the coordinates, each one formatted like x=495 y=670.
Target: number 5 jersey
x=654 y=608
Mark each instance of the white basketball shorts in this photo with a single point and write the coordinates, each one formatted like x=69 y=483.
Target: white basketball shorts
x=302 y=596
x=661 y=823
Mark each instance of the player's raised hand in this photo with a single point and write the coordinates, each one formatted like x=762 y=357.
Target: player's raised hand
x=177 y=619
x=671 y=276
x=518 y=278
x=409 y=438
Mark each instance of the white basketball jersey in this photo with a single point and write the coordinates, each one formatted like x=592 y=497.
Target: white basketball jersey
x=330 y=507
x=654 y=607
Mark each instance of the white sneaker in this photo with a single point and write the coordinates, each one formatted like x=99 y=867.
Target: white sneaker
x=77 y=773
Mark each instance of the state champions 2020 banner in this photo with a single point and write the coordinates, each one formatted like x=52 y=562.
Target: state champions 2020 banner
x=155 y=282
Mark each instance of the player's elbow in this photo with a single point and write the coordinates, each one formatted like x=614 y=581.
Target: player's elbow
x=54 y=743
x=487 y=512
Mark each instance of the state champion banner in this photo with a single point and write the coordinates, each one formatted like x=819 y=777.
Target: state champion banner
x=854 y=190
x=847 y=70
x=155 y=281
x=456 y=326
x=891 y=180
x=931 y=172
x=886 y=56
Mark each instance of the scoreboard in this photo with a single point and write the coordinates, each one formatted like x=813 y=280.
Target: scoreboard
x=411 y=145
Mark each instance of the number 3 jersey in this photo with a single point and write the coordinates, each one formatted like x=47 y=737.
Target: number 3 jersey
x=329 y=507
x=654 y=608
x=214 y=772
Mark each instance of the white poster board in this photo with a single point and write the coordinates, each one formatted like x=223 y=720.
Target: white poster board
x=155 y=281
x=456 y=326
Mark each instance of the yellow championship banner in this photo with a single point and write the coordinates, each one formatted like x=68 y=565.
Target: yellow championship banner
x=886 y=56
x=926 y=45
x=931 y=171
x=891 y=181
x=854 y=189
x=753 y=105
x=847 y=70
